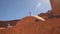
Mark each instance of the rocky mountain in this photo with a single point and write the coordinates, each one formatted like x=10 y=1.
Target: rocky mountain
x=11 y=22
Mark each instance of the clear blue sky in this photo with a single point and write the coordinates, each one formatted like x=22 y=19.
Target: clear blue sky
x=17 y=9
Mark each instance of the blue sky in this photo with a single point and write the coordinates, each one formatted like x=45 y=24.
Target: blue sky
x=17 y=9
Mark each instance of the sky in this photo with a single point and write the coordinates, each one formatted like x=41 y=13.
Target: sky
x=17 y=9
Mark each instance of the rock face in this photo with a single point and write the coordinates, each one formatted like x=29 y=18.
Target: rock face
x=33 y=25
x=55 y=7
x=27 y=25
x=46 y=15
x=5 y=23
